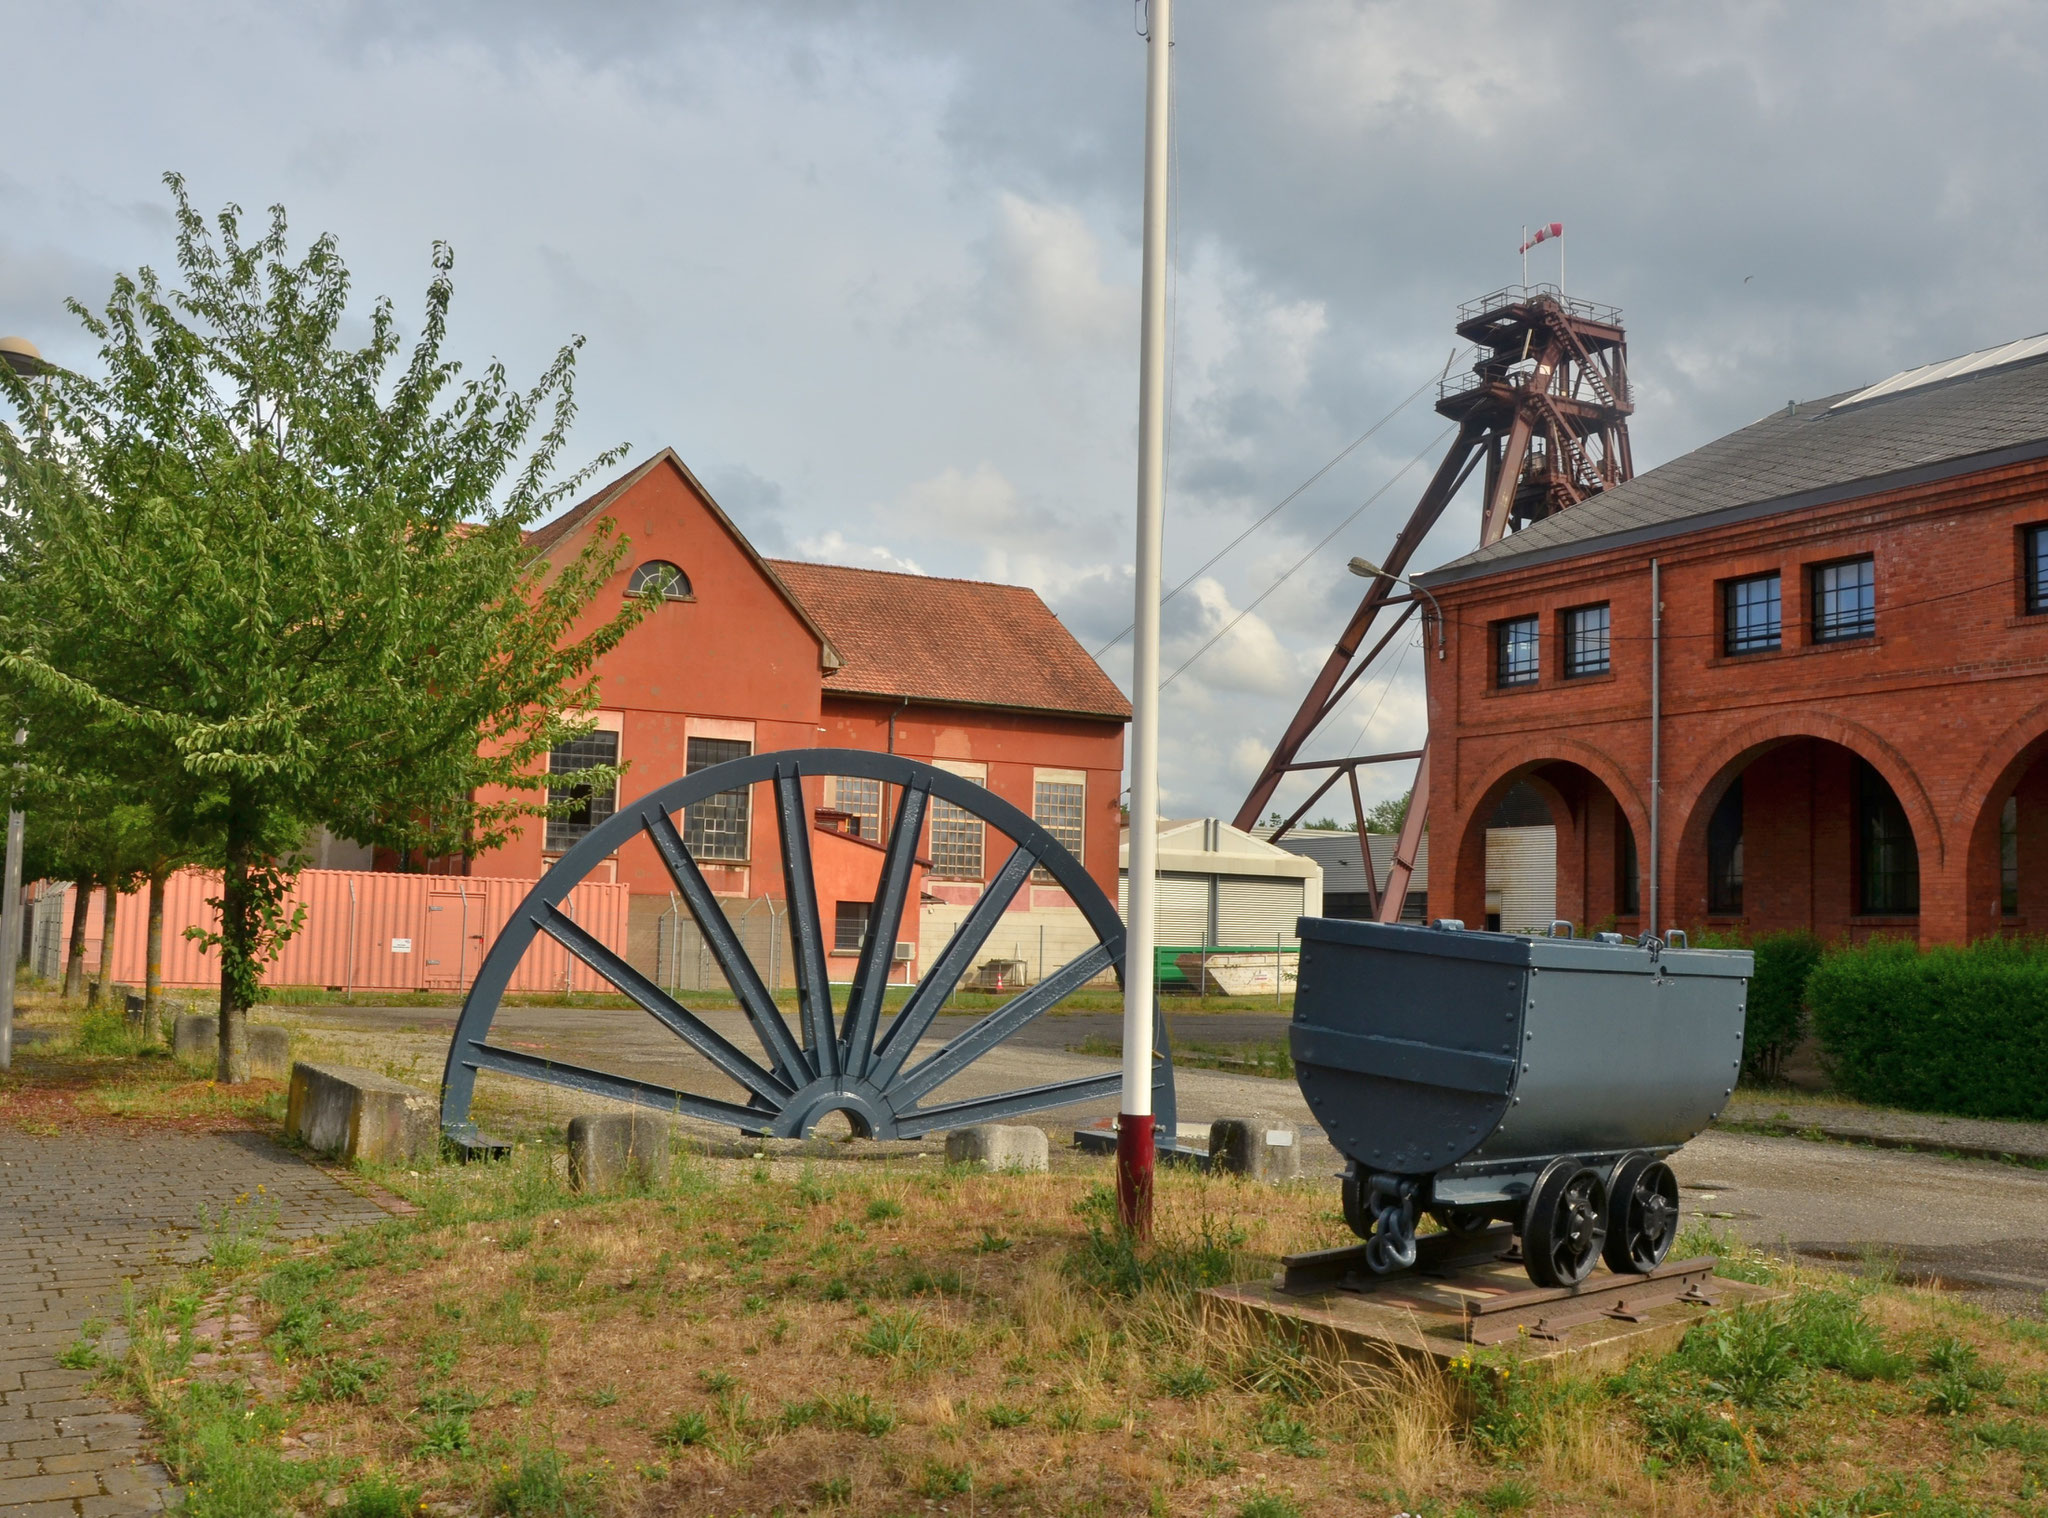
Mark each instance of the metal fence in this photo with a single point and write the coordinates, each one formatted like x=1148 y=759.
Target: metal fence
x=47 y=923
x=684 y=961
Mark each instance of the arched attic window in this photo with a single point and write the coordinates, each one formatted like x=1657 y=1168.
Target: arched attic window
x=659 y=578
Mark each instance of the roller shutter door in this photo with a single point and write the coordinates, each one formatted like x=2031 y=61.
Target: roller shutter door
x=1252 y=911
x=1183 y=914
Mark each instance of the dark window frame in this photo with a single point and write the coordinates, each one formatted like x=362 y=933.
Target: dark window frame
x=1743 y=630
x=1574 y=635
x=1887 y=853
x=594 y=750
x=852 y=921
x=1828 y=623
x=675 y=585
x=1525 y=672
x=1724 y=853
x=709 y=824
x=2034 y=569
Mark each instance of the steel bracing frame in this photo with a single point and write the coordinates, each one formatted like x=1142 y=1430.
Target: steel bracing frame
x=1545 y=409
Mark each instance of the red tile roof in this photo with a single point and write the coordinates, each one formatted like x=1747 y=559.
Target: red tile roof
x=964 y=642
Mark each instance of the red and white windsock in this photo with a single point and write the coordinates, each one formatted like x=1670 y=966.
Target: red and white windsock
x=1543 y=234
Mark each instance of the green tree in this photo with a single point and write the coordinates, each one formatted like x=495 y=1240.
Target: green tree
x=1387 y=816
x=283 y=581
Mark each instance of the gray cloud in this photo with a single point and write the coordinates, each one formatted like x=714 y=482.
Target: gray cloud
x=850 y=258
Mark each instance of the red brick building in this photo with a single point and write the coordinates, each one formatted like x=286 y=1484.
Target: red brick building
x=1851 y=698
x=747 y=655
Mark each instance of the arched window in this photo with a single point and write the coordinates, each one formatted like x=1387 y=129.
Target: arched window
x=658 y=577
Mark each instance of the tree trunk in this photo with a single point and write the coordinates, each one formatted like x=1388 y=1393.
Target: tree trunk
x=153 y=967
x=74 y=965
x=103 y=988
x=237 y=931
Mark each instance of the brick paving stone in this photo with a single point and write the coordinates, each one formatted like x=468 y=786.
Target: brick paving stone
x=80 y=1214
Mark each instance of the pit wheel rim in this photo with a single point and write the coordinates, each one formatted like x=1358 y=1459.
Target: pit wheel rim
x=1643 y=1215
x=853 y=1060
x=1566 y=1224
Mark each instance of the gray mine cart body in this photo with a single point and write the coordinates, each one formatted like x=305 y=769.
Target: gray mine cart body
x=1469 y=1061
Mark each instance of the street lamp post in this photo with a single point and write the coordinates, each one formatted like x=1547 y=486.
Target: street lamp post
x=24 y=360
x=1365 y=569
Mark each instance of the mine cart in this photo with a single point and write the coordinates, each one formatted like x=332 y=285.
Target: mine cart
x=1478 y=1078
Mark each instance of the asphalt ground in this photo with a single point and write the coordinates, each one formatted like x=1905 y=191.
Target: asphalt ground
x=1973 y=1225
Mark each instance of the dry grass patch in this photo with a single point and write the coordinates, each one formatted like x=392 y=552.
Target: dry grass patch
x=868 y=1339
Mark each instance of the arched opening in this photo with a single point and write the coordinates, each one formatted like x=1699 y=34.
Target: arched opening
x=1550 y=840
x=2007 y=871
x=659 y=580
x=1799 y=834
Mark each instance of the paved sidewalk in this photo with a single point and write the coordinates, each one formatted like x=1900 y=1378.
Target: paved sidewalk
x=79 y=1214
x=1978 y=1138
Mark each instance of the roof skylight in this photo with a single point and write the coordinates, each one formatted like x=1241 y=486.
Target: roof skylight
x=1952 y=368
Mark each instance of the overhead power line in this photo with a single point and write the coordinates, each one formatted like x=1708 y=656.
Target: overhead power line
x=1287 y=500
x=1225 y=630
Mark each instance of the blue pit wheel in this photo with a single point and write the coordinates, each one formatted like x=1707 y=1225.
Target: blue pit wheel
x=845 y=1059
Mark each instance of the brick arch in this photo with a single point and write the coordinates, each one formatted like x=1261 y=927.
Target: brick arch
x=1467 y=899
x=1695 y=797
x=2004 y=766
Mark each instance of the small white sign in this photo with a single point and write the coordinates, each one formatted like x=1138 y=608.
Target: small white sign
x=1279 y=1138
x=401 y=946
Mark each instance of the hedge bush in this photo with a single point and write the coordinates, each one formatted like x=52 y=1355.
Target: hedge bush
x=1776 y=1020
x=1961 y=1030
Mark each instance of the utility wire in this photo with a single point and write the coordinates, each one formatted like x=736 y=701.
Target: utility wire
x=1328 y=538
x=1287 y=500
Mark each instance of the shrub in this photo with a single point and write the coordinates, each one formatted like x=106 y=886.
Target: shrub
x=105 y=1032
x=1776 y=1020
x=1948 y=1030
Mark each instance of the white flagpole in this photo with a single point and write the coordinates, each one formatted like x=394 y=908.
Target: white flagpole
x=1134 y=1139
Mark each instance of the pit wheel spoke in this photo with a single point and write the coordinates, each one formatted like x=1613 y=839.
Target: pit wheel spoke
x=733 y=963
x=944 y=975
x=1001 y=1023
x=662 y=1007
x=806 y=932
x=871 y=978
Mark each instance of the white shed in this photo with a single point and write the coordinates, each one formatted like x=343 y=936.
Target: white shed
x=1221 y=886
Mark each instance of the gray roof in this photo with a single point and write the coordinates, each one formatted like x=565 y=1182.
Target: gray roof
x=1901 y=432
x=1343 y=871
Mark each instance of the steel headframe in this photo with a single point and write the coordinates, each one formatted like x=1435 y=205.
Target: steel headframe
x=844 y=1060
x=1546 y=407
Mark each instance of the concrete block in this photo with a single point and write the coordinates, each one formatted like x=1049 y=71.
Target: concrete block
x=270 y=1052
x=361 y=1115
x=615 y=1149
x=134 y=1005
x=196 y=1036
x=1256 y=1148
x=999 y=1146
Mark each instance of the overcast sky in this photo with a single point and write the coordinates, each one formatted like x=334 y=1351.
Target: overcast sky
x=872 y=269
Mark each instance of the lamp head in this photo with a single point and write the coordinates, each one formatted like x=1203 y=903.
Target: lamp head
x=1365 y=569
x=22 y=356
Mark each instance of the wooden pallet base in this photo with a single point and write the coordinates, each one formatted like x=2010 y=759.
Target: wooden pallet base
x=1462 y=1294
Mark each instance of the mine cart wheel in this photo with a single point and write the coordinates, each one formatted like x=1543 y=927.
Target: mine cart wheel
x=1565 y=1225
x=1642 y=1214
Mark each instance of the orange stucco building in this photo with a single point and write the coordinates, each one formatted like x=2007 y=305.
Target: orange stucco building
x=747 y=655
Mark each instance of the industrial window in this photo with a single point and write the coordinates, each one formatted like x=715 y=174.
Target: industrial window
x=2009 y=857
x=2035 y=540
x=660 y=579
x=850 y=926
x=591 y=804
x=1586 y=641
x=1515 y=656
x=862 y=800
x=1057 y=806
x=1844 y=601
x=716 y=827
x=1889 y=866
x=957 y=841
x=1628 y=869
x=1724 y=854
x=1751 y=615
